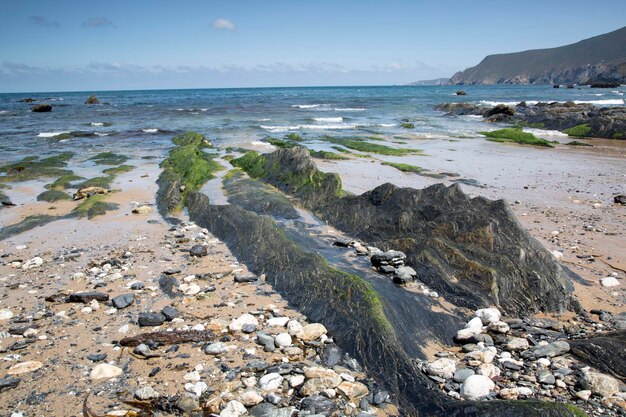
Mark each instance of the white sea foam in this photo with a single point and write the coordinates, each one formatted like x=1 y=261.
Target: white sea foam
x=386 y=124
x=329 y=119
x=97 y=124
x=204 y=109
x=508 y=103
x=51 y=134
x=473 y=116
x=279 y=129
x=3 y=111
x=598 y=94
x=305 y=106
x=350 y=109
x=259 y=143
x=602 y=102
x=619 y=93
x=102 y=134
x=150 y=130
x=542 y=132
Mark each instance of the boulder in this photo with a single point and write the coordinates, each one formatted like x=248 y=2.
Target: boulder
x=150 y=319
x=92 y=99
x=41 y=108
x=488 y=315
x=443 y=368
x=312 y=332
x=476 y=387
x=601 y=384
x=392 y=257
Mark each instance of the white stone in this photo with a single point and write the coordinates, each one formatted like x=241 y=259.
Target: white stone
x=557 y=254
x=485 y=354
x=498 y=327
x=250 y=398
x=475 y=323
x=465 y=334
x=234 y=409
x=283 y=340
x=270 y=381
x=584 y=394
x=250 y=381
x=196 y=388
x=24 y=367
x=105 y=371
x=146 y=393
x=312 y=332
x=278 y=321
x=609 y=282
x=347 y=377
x=294 y=328
x=489 y=370
x=544 y=362
x=33 y=263
x=238 y=323
x=296 y=380
x=476 y=387
x=123 y=329
x=443 y=367
x=525 y=391
x=517 y=343
x=6 y=314
x=488 y=315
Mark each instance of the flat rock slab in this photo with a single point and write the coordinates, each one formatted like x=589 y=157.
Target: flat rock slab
x=605 y=352
x=8 y=383
x=87 y=297
x=123 y=301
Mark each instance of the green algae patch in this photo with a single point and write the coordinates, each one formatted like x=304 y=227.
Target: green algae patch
x=94 y=206
x=404 y=167
x=186 y=169
x=27 y=224
x=580 y=131
x=52 y=196
x=119 y=169
x=103 y=182
x=516 y=135
x=109 y=158
x=327 y=155
x=294 y=137
x=32 y=167
x=279 y=143
x=368 y=147
x=407 y=125
x=64 y=182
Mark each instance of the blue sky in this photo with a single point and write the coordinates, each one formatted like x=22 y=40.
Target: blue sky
x=136 y=44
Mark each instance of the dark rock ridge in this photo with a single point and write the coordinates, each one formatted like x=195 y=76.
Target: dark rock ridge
x=598 y=59
x=581 y=120
x=606 y=352
x=348 y=306
x=41 y=108
x=472 y=251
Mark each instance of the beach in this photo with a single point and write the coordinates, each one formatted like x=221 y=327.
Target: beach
x=563 y=197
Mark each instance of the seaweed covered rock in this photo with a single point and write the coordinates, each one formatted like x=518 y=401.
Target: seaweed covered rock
x=92 y=99
x=471 y=250
x=41 y=108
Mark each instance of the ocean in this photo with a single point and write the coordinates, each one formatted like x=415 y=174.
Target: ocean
x=139 y=121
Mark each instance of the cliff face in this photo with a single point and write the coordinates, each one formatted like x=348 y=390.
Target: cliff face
x=601 y=58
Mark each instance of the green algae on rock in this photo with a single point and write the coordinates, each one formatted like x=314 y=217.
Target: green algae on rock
x=516 y=135
x=64 y=182
x=33 y=167
x=185 y=170
x=365 y=146
x=119 y=169
x=404 y=167
x=579 y=131
x=53 y=195
x=94 y=206
x=109 y=158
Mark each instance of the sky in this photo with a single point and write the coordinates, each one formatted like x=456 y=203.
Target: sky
x=152 y=44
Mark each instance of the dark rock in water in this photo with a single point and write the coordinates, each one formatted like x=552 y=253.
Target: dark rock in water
x=556 y=86
x=123 y=301
x=26 y=100
x=604 y=85
x=605 y=352
x=198 y=251
x=150 y=319
x=92 y=99
x=461 y=93
x=170 y=313
x=392 y=257
x=86 y=297
x=41 y=108
x=9 y=382
x=501 y=109
x=316 y=404
x=97 y=357
x=620 y=199
x=342 y=243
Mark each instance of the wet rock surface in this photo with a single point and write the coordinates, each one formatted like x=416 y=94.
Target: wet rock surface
x=606 y=122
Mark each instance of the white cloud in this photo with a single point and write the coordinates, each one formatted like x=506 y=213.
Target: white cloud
x=223 y=24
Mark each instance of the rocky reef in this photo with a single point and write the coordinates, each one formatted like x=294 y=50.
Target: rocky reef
x=440 y=240
x=577 y=120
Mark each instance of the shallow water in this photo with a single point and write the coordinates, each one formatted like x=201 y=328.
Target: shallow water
x=144 y=121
